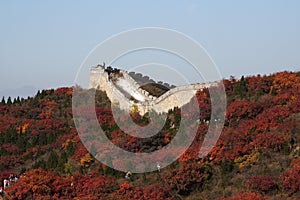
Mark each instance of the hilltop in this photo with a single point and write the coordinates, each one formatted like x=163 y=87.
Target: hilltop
x=256 y=157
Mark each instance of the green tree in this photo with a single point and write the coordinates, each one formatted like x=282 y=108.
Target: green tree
x=33 y=141
x=42 y=139
x=61 y=162
x=21 y=142
x=51 y=91
x=3 y=101
x=69 y=169
x=23 y=170
x=52 y=160
x=9 y=102
x=11 y=136
x=18 y=100
x=240 y=88
x=70 y=149
x=39 y=164
x=43 y=93
x=51 y=138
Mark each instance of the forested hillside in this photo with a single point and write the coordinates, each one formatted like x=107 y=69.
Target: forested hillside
x=256 y=157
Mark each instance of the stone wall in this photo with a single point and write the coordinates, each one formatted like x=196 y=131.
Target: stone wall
x=175 y=97
x=141 y=80
x=99 y=80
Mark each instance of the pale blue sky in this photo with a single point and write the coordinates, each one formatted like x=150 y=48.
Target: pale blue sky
x=43 y=43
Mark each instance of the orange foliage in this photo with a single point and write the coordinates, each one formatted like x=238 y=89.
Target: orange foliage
x=63 y=91
x=124 y=187
x=86 y=160
x=247 y=160
x=23 y=128
x=80 y=152
x=67 y=142
x=285 y=80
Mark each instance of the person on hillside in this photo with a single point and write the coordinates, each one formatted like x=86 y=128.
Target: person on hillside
x=158 y=167
x=72 y=181
x=1 y=191
x=6 y=183
x=11 y=177
x=128 y=175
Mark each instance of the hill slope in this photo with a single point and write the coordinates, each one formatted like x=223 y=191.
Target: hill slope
x=256 y=157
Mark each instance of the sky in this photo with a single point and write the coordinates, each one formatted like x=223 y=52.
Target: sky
x=43 y=43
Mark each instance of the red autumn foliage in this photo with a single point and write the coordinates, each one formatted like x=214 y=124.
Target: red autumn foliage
x=262 y=183
x=155 y=191
x=124 y=187
x=260 y=121
x=11 y=148
x=36 y=184
x=290 y=179
x=10 y=160
x=65 y=91
x=260 y=84
x=39 y=184
x=242 y=110
x=246 y=196
x=5 y=175
x=80 y=151
x=189 y=177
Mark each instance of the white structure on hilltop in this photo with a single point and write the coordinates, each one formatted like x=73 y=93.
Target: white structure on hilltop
x=124 y=91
